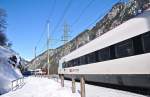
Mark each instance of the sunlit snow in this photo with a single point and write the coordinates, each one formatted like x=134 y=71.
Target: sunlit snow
x=44 y=87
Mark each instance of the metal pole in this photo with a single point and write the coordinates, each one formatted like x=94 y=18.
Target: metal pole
x=73 y=85
x=48 y=47
x=66 y=30
x=35 y=58
x=82 y=82
x=62 y=80
x=35 y=51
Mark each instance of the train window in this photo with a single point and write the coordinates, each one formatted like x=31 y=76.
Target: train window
x=112 y=52
x=84 y=62
x=104 y=54
x=66 y=64
x=86 y=59
x=78 y=61
x=96 y=56
x=63 y=64
x=137 y=45
x=146 y=42
x=75 y=62
x=92 y=57
x=71 y=63
x=124 y=49
x=82 y=59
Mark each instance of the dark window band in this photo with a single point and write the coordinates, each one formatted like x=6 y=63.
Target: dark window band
x=134 y=46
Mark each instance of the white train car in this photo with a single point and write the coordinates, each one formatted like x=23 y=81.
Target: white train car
x=119 y=57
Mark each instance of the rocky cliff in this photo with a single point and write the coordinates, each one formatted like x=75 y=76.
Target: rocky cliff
x=119 y=13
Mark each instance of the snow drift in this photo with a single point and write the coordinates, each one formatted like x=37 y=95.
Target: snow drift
x=8 y=72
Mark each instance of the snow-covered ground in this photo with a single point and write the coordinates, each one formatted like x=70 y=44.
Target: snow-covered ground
x=41 y=87
x=44 y=87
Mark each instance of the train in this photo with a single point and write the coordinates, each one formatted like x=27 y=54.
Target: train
x=120 y=57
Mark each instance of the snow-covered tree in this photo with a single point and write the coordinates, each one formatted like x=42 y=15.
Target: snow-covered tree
x=3 y=38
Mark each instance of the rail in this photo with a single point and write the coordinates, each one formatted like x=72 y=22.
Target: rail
x=18 y=83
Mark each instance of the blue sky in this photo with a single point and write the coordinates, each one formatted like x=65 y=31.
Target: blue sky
x=26 y=21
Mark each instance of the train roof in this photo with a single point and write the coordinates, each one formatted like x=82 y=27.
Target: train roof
x=128 y=29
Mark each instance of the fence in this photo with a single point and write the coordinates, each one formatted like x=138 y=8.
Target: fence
x=18 y=83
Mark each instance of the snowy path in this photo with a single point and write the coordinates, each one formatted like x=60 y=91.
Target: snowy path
x=43 y=87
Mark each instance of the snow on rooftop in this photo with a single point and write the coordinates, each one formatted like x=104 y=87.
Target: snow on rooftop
x=44 y=87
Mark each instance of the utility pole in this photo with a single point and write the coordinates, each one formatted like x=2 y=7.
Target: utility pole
x=66 y=31
x=48 y=40
x=65 y=40
x=35 y=52
x=82 y=85
x=34 y=56
x=65 y=35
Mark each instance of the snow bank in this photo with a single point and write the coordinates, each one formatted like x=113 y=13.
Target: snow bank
x=8 y=73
